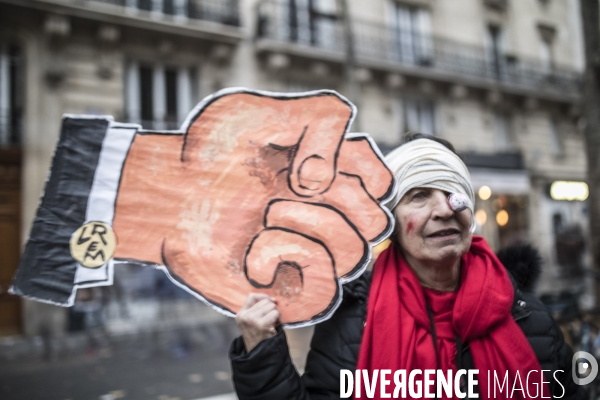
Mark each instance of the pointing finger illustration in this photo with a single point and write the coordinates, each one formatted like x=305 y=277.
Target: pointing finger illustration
x=314 y=165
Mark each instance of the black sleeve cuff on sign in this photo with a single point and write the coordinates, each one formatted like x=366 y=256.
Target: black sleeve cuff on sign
x=47 y=269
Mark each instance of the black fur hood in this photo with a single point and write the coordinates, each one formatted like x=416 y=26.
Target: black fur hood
x=523 y=262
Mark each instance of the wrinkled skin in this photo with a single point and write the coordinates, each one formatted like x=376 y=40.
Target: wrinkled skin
x=260 y=195
x=433 y=236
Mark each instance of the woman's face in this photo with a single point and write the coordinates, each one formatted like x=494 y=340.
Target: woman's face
x=428 y=230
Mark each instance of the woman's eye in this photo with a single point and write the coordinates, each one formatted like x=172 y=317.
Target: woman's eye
x=419 y=195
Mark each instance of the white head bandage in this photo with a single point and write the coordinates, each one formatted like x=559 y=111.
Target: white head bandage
x=427 y=163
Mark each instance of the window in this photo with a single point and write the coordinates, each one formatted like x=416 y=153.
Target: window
x=419 y=116
x=547 y=34
x=146 y=86
x=313 y=22
x=324 y=23
x=159 y=97
x=172 y=7
x=504 y=137
x=546 y=56
x=412 y=26
x=11 y=100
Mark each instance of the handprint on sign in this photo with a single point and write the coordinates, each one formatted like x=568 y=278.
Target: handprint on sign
x=262 y=194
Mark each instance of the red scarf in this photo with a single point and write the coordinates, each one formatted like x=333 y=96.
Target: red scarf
x=398 y=328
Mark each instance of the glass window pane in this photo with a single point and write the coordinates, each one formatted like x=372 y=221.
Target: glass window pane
x=171 y=95
x=146 y=93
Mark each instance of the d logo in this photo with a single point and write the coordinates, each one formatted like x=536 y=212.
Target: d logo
x=580 y=368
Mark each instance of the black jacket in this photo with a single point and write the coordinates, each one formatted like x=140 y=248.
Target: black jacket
x=267 y=371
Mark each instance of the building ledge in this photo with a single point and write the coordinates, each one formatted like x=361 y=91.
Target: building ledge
x=113 y=14
x=338 y=57
x=380 y=47
x=299 y=50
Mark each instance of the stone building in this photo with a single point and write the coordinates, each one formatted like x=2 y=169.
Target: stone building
x=500 y=79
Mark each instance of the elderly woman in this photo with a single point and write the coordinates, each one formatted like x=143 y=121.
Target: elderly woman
x=438 y=299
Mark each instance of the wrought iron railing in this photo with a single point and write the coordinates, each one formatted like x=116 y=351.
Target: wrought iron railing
x=393 y=45
x=222 y=11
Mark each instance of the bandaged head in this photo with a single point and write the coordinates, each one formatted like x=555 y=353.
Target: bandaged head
x=429 y=164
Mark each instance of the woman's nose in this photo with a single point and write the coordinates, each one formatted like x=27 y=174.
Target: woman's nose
x=441 y=208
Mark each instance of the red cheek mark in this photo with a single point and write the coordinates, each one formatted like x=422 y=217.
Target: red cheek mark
x=409 y=227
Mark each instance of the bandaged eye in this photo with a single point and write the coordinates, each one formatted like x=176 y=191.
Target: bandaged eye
x=458 y=202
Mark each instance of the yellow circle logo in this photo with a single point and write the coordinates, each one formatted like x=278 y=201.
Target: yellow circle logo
x=93 y=244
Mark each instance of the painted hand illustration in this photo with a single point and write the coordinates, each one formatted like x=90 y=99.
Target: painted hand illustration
x=261 y=194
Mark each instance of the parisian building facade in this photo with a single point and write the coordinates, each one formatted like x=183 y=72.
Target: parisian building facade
x=500 y=79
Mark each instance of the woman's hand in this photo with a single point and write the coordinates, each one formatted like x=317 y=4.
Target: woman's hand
x=257 y=319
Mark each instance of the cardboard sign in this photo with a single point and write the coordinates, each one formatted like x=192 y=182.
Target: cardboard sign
x=258 y=192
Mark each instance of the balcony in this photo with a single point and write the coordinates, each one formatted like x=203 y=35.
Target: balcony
x=392 y=49
x=216 y=20
x=221 y=11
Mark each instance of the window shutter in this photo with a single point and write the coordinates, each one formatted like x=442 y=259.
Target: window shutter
x=427 y=118
x=412 y=116
x=405 y=33
x=184 y=94
x=133 y=93
x=425 y=42
x=5 y=89
x=159 y=101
